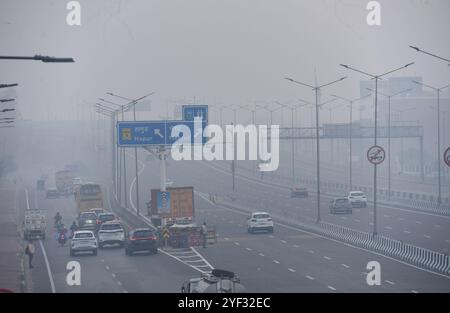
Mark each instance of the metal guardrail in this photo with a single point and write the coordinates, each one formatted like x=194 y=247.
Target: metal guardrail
x=421 y=257
x=417 y=201
x=418 y=256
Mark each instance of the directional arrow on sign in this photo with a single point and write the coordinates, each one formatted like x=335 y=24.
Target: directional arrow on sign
x=158 y=132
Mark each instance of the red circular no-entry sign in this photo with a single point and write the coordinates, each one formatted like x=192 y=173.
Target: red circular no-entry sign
x=376 y=155
x=447 y=157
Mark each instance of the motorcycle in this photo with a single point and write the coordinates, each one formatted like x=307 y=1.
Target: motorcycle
x=62 y=239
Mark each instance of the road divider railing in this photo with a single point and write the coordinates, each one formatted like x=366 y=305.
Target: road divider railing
x=423 y=258
x=405 y=199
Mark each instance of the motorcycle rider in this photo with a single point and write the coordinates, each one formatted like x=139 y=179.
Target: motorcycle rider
x=58 y=218
x=73 y=228
x=62 y=235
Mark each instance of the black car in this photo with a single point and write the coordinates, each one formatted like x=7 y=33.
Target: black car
x=141 y=239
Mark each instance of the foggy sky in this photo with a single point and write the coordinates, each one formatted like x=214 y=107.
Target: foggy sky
x=233 y=51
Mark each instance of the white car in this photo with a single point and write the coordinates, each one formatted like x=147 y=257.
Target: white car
x=82 y=241
x=260 y=221
x=357 y=199
x=111 y=233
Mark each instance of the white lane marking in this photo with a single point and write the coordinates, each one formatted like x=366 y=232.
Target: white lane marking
x=119 y=283
x=237 y=243
x=107 y=267
x=401 y=219
x=201 y=257
x=194 y=261
x=248 y=249
x=310 y=277
x=283 y=241
x=311 y=251
x=295 y=246
x=125 y=291
x=345 y=265
x=113 y=275
x=386 y=216
x=292 y=270
x=390 y=282
x=102 y=260
x=226 y=238
x=418 y=222
x=437 y=226
x=275 y=261
x=427 y=236
x=261 y=254
x=407 y=232
x=329 y=239
x=332 y=288
x=357 y=220
x=448 y=241
x=414 y=291
x=271 y=236
x=327 y=258
x=47 y=263
x=388 y=227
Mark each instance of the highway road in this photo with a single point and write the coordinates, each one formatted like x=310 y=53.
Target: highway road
x=109 y=271
x=290 y=259
x=420 y=228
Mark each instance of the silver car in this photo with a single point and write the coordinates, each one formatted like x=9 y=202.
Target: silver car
x=83 y=241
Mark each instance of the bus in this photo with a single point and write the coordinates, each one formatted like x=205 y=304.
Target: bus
x=89 y=196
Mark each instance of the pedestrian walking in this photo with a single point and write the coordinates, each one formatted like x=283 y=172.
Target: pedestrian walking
x=30 y=250
x=204 y=232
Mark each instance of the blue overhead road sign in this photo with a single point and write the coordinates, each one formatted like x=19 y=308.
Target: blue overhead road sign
x=196 y=134
x=141 y=133
x=154 y=133
x=192 y=111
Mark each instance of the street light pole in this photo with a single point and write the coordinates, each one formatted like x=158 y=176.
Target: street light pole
x=431 y=54
x=376 y=77
x=122 y=159
x=292 y=108
x=438 y=111
x=114 y=148
x=8 y=85
x=389 y=97
x=350 y=102
x=42 y=58
x=134 y=102
x=316 y=91
x=233 y=164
